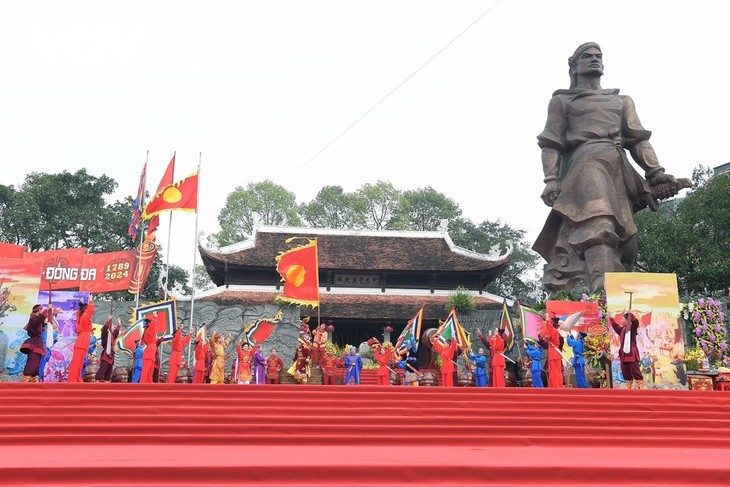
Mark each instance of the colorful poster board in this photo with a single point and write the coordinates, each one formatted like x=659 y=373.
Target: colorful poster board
x=654 y=300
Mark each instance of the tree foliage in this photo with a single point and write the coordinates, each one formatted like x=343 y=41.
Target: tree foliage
x=690 y=236
x=333 y=208
x=266 y=203
x=381 y=206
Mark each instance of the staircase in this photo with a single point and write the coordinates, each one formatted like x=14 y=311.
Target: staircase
x=123 y=434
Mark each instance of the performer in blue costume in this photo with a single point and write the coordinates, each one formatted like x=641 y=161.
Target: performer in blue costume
x=535 y=354
x=137 y=370
x=480 y=373
x=47 y=357
x=579 y=360
x=410 y=373
x=353 y=365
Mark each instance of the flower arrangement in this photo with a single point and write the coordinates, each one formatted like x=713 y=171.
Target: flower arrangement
x=707 y=322
x=693 y=358
x=596 y=350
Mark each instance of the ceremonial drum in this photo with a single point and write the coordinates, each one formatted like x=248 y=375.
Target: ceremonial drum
x=428 y=379
x=122 y=374
x=90 y=372
x=466 y=378
x=184 y=375
x=394 y=379
x=526 y=377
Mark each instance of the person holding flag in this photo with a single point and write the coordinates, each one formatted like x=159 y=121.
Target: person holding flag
x=480 y=372
x=446 y=352
x=138 y=361
x=178 y=344
x=200 y=369
x=149 y=357
x=579 y=360
x=497 y=344
x=535 y=353
x=109 y=336
x=551 y=339
x=83 y=340
x=244 y=362
x=383 y=354
x=34 y=347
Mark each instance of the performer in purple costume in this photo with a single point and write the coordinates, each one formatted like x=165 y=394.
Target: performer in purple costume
x=259 y=366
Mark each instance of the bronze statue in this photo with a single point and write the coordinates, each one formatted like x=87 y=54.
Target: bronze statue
x=589 y=182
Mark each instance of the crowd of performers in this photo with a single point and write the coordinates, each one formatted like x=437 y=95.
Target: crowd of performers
x=250 y=366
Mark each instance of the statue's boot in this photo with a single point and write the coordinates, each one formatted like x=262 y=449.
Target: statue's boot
x=599 y=260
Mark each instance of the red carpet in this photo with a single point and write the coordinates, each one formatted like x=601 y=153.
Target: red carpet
x=183 y=434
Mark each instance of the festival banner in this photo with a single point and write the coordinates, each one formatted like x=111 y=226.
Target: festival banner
x=110 y=271
x=11 y=251
x=61 y=268
x=654 y=300
x=93 y=273
x=143 y=259
x=19 y=283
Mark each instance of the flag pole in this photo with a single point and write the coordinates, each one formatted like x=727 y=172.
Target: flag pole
x=140 y=228
x=169 y=236
x=195 y=253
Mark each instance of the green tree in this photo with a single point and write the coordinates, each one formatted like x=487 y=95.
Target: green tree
x=266 y=203
x=519 y=278
x=424 y=209
x=54 y=211
x=333 y=208
x=690 y=236
x=381 y=202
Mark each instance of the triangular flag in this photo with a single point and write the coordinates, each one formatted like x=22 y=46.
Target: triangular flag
x=506 y=323
x=451 y=329
x=412 y=329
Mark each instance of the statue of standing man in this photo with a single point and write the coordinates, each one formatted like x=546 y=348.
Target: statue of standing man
x=590 y=184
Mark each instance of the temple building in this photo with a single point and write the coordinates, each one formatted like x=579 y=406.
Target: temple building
x=369 y=280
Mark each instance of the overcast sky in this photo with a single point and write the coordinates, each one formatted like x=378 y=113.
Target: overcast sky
x=448 y=94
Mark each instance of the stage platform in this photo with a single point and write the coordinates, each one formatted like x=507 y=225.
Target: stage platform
x=120 y=434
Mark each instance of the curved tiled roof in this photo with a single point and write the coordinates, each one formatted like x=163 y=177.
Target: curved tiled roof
x=359 y=251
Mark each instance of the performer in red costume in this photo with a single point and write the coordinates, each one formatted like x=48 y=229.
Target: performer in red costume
x=300 y=365
x=178 y=345
x=550 y=339
x=446 y=352
x=200 y=369
x=497 y=345
x=628 y=351
x=274 y=365
x=83 y=340
x=149 y=339
x=109 y=336
x=244 y=366
x=34 y=346
x=383 y=355
x=329 y=364
x=319 y=340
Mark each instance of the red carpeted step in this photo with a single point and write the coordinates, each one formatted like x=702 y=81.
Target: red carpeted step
x=185 y=434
